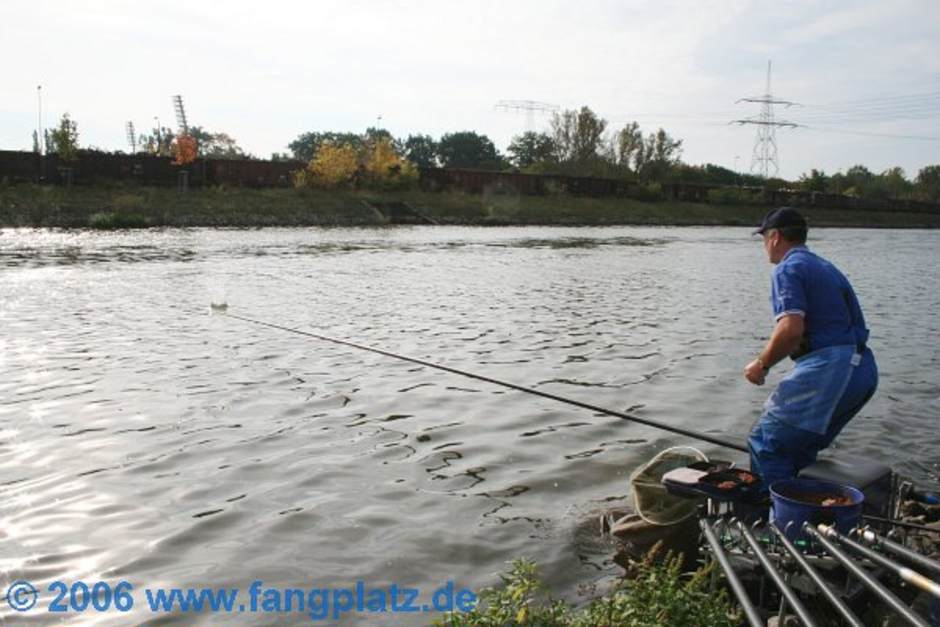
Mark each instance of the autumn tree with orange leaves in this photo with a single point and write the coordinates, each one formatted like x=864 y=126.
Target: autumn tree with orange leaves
x=184 y=150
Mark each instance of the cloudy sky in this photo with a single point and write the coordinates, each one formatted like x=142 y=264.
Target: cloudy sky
x=866 y=73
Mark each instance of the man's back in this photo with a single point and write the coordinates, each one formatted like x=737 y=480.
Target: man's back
x=806 y=284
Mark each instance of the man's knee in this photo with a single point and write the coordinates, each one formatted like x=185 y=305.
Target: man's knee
x=842 y=417
x=779 y=451
x=861 y=388
x=766 y=460
x=754 y=437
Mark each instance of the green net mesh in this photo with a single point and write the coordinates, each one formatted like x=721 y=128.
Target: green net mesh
x=652 y=502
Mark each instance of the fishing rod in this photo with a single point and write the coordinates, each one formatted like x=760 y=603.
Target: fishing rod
x=561 y=399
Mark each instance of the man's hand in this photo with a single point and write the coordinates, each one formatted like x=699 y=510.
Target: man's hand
x=783 y=341
x=755 y=373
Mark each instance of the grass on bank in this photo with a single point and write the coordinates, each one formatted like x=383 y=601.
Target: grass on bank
x=653 y=593
x=117 y=206
x=128 y=206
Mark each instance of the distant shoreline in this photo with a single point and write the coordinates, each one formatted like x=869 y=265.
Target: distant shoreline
x=120 y=206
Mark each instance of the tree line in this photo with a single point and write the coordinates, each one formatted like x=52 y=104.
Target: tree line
x=861 y=182
x=578 y=142
x=160 y=142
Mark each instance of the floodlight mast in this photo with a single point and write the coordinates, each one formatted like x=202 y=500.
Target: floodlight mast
x=180 y=115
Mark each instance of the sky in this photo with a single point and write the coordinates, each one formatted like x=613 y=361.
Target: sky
x=865 y=75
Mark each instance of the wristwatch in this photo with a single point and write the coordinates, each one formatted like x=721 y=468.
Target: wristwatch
x=760 y=362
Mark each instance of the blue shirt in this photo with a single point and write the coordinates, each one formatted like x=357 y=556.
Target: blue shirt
x=806 y=284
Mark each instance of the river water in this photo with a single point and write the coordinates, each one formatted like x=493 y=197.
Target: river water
x=144 y=439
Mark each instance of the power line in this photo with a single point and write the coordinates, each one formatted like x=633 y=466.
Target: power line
x=930 y=95
x=923 y=108
x=924 y=112
x=910 y=107
x=871 y=134
x=882 y=108
x=671 y=116
x=919 y=110
x=856 y=119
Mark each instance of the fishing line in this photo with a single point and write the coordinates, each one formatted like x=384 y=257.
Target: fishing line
x=561 y=399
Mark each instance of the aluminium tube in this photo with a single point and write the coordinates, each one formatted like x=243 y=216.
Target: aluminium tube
x=899 y=550
x=753 y=618
x=843 y=609
x=777 y=578
x=880 y=591
x=900 y=523
x=906 y=574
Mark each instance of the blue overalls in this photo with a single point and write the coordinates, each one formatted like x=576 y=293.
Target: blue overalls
x=833 y=377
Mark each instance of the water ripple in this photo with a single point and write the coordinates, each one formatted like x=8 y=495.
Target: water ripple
x=143 y=438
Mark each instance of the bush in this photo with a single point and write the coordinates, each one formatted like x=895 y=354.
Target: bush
x=649 y=192
x=659 y=594
x=730 y=196
x=372 y=165
x=116 y=220
x=334 y=166
x=301 y=179
x=514 y=604
x=384 y=169
x=654 y=593
x=124 y=202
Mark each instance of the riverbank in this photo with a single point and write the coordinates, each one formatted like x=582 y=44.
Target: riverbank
x=109 y=207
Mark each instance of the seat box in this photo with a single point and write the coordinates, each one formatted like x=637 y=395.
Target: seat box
x=872 y=478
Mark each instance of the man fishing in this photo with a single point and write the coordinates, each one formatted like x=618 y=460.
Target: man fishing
x=818 y=323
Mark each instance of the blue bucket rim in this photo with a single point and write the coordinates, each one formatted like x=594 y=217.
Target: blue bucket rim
x=858 y=497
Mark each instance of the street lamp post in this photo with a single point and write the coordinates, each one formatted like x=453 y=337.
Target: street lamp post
x=40 y=137
x=159 y=134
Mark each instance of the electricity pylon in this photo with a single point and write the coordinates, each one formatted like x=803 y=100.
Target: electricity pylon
x=765 y=146
x=131 y=136
x=531 y=107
